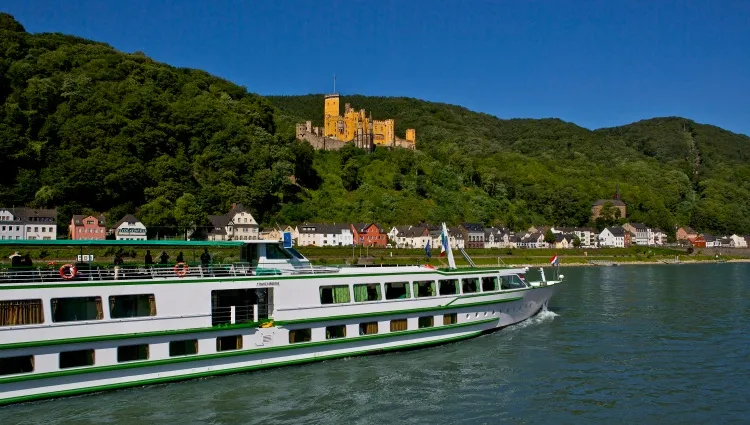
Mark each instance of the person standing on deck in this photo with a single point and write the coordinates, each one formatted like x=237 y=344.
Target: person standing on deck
x=180 y=258
x=148 y=259
x=206 y=260
x=163 y=258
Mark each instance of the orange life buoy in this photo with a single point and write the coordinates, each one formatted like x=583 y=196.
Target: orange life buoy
x=181 y=269
x=68 y=271
x=429 y=266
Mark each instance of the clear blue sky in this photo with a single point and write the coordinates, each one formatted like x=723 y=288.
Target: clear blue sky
x=595 y=63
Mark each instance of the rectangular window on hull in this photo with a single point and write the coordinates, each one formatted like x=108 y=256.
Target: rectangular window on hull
x=449 y=287
x=333 y=332
x=76 y=309
x=450 y=319
x=131 y=353
x=242 y=300
x=300 y=335
x=338 y=294
x=399 y=325
x=489 y=284
x=78 y=358
x=367 y=292
x=424 y=288
x=121 y=306
x=397 y=290
x=228 y=343
x=426 y=322
x=21 y=312
x=470 y=285
x=16 y=365
x=369 y=328
x=183 y=348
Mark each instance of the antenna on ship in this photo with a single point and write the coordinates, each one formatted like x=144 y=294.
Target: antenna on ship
x=334 y=83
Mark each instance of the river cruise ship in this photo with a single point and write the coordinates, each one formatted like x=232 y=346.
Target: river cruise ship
x=81 y=327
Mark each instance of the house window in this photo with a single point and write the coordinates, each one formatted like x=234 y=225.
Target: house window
x=397 y=290
x=450 y=319
x=76 y=309
x=399 y=325
x=368 y=328
x=489 y=284
x=424 y=288
x=426 y=322
x=183 y=348
x=300 y=335
x=338 y=294
x=229 y=343
x=470 y=285
x=16 y=365
x=367 y=292
x=337 y=331
x=130 y=353
x=21 y=312
x=449 y=287
x=122 y=306
x=78 y=358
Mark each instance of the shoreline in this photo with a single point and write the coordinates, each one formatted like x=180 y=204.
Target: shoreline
x=624 y=263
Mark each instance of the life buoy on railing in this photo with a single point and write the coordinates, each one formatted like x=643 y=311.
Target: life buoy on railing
x=181 y=269
x=51 y=263
x=68 y=271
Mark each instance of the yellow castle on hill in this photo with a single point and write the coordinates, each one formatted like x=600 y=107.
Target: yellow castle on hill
x=353 y=127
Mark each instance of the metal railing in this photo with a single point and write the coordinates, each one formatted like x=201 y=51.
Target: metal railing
x=247 y=313
x=64 y=273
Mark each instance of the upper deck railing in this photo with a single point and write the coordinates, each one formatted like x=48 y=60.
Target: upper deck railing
x=81 y=273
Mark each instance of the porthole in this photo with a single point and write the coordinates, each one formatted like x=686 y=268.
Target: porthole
x=468 y=316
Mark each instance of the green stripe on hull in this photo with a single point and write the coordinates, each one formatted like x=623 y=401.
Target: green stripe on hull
x=449 y=306
x=150 y=363
x=227 y=371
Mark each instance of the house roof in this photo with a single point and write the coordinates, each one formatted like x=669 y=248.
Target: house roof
x=617 y=231
x=78 y=219
x=689 y=230
x=639 y=226
x=32 y=214
x=322 y=228
x=615 y=202
x=362 y=227
x=473 y=227
x=128 y=218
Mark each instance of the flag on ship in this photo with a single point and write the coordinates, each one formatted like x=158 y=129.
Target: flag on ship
x=554 y=260
x=443 y=243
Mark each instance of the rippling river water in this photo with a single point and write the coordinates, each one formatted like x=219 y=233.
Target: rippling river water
x=632 y=344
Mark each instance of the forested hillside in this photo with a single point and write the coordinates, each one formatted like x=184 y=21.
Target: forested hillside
x=86 y=128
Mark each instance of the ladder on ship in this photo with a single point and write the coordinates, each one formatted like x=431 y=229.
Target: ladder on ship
x=466 y=256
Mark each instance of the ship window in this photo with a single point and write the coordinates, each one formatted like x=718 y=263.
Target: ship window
x=76 y=358
x=121 y=306
x=449 y=287
x=399 y=325
x=426 y=322
x=470 y=285
x=367 y=292
x=228 y=343
x=450 y=319
x=368 y=328
x=489 y=284
x=275 y=252
x=511 y=282
x=130 y=353
x=300 y=335
x=396 y=290
x=21 y=312
x=424 y=288
x=333 y=332
x=334 y=294
x=183 y=348
x=76 y=309
x=15 y=365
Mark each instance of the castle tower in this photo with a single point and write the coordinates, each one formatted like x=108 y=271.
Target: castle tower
x=331 y=111
x=411 y=135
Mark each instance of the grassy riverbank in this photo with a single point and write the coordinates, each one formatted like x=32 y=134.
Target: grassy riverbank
x=376 y=256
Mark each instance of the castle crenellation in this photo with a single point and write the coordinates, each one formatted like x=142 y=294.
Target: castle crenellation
x=352 y=127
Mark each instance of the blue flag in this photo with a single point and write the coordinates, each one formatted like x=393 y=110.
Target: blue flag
x=427 y=249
